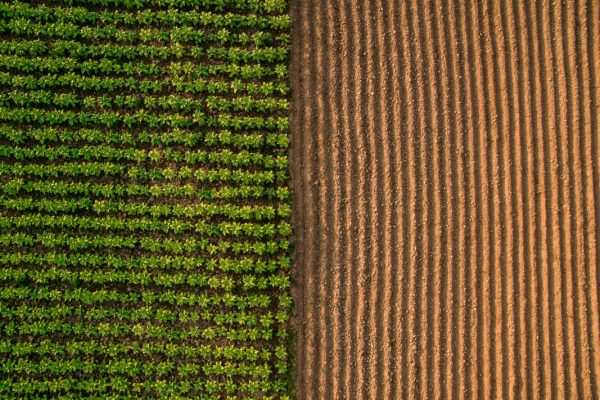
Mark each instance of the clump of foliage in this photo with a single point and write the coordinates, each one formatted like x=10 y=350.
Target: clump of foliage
x=144 y=202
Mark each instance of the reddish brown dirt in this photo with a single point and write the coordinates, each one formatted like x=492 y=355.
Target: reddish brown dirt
x=447 y=204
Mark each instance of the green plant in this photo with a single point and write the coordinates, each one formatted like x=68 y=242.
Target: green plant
x=144 y=207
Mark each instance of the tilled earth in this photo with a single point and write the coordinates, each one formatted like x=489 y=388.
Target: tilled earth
x=446 y=180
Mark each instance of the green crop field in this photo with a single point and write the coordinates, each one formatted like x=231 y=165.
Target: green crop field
x=144 y=202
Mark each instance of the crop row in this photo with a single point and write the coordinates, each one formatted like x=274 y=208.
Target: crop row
x=258 y=6
x=241 y=265
x=23 y=27
x=143 y=314
x=123 y=53
x=235 y=212
x=117 y=388
x=149 y=297
x=183 y=72
x=171 y=83
x=113 y=330
x=133 y=368
x=72 y=348
x=149 y=244
x=223 y=138
x=174 y=226
x=212 y=324
x=119 y=331
x=110 y=191
x=224 y=157
x=143 y=18
x=144 y=278
x=141 y=118
x=21 y=98
x=136 y=174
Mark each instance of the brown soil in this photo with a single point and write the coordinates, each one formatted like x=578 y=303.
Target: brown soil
x=447 y=202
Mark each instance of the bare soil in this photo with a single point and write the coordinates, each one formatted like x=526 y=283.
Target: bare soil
x=447 y=205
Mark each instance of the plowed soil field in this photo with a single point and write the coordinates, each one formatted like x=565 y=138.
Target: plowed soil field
x=447 y=199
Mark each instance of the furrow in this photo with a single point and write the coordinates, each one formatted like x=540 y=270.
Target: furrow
x=336 y=234
x=387 y=197
x=589 y=50
x=347 y=51
x=322 y=175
